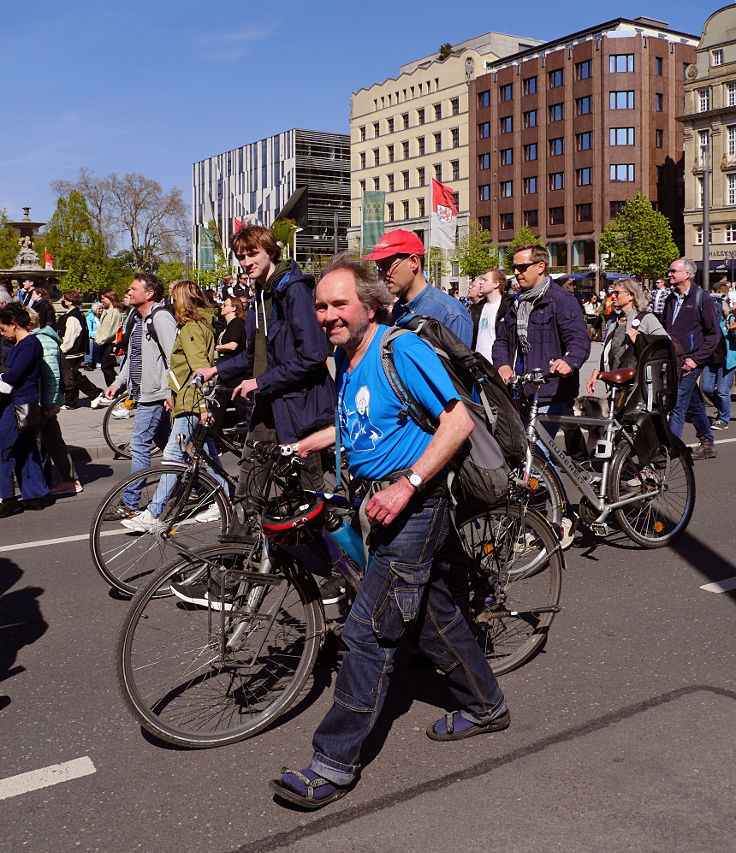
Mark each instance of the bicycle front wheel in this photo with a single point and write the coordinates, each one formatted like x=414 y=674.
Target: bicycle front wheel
x=516 y=579
x=196 y=512
x=667 y=488
x=199 y=676
x=117 y=427
x=547 y=494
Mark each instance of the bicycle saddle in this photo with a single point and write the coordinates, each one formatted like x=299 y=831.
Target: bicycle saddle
x=618 y=377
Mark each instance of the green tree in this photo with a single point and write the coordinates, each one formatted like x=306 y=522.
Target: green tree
x=73 y=241
x=639 y=240
x=437 y=264
x=284 y=231
x=169 y=271
x=523 y=237
x=445 y=51
x=474 y=253
x=9 y=246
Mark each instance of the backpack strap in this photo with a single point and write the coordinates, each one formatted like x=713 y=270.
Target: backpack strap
x=409 y=406
x=150 y=328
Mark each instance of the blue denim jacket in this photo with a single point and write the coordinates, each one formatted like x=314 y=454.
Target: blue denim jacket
x=436 y=303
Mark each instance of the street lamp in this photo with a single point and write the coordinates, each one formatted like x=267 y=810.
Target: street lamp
x=705 y=161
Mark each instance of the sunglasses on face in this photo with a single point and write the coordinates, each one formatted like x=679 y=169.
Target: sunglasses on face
x=525 y=267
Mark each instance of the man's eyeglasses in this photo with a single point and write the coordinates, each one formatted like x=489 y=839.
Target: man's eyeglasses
x=525 y=267
x=387 y=265
x=672 y=272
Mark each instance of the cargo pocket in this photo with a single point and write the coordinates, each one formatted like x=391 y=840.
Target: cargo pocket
x=399 y=605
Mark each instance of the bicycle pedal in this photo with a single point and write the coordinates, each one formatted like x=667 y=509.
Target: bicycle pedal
x=599 y=528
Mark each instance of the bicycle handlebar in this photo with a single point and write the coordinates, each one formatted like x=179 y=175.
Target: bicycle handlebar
x=536 y=377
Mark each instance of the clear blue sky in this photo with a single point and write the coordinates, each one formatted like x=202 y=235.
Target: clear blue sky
x=153 y=86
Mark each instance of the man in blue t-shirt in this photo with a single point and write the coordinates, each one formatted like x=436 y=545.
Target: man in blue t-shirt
x=402 y=590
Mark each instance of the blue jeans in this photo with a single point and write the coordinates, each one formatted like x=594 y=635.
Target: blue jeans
x=183 y=426
x=152 y=423
x=690 y=407
x=19 y=455
x=402 y=593
x=716 y=385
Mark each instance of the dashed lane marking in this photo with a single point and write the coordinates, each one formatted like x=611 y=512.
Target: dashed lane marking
x=55 y=774
x=720 y=586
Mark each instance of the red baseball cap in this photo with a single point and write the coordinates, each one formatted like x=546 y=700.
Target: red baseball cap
x=399 y=242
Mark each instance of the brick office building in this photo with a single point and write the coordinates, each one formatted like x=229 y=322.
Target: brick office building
x=563 y=133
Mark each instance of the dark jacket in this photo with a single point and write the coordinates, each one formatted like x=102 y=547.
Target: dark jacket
x=476 y=310
x=23 y=370
x=46 y=313
x=697 y=334
x=81 y=342
x=297 y=382
x=556 y=330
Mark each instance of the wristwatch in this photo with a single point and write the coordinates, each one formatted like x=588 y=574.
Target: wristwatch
x=415 y=479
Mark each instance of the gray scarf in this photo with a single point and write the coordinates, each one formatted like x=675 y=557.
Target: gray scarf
x=527 y=303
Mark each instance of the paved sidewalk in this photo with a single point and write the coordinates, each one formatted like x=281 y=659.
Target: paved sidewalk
x=82 y=427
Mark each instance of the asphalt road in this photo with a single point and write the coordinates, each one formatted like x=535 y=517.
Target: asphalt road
x=621 y=736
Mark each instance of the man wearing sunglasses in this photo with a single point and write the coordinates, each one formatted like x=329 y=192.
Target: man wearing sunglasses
x=399 y=257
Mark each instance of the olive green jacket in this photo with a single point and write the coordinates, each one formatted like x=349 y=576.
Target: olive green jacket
x=194 y=347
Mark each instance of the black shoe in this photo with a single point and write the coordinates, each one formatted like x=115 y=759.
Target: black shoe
x=34 y=504
x=332 y=590
x=115 y=513
x=10 y=507
x=706 y=450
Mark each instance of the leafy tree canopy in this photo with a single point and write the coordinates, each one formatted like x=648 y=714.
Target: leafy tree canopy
x=523 y=237
x=284 y=230
x=474 y=253
x=73 y=241
x=9 y=246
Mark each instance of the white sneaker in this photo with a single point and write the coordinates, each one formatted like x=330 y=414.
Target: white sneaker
x=99 y=401
x=212 y=513
x=144 y=522
x=122 y=413
x=566 y=533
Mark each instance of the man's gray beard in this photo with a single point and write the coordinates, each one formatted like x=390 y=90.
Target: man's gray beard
x=356 y=338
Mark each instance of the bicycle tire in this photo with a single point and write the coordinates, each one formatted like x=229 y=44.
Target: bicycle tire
x=516 y=580
x=183 y=683
x=117 y=431
x=126 y=563
x=548 y=496
x=655 y=522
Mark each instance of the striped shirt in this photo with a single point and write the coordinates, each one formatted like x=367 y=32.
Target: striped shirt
x=657 y=300
x=135 y=357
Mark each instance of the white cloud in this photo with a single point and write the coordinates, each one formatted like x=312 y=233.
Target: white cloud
x=232 y=44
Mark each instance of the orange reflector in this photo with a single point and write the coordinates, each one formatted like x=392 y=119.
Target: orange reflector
x=488 y=548
x=658 y=527
x=533 y=483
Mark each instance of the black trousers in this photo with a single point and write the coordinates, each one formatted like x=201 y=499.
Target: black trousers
x=108 y=362
x=74 y=381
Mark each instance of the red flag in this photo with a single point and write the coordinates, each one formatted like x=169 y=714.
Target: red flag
x=443 y=223
x=49 y=261
x=237 y=225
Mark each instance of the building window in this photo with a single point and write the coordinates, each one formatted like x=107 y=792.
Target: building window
x=390 y=211
x=389 y=125
x=731 y=95
x=658 y=66
x=506 y=221
x=362 y=159
x=557 y=180
x=556 y=112
x=584 y=106
x=405 y=209
x=557 y=216
x=484 y=222
x=438 y=141
x=390 y=179
x=437 y=112
x=530 y=85
x=421 y=180
x=660 y=175
x=455 y=106
x=420 y=207
x=584 y=141
x=438 y=171
x=584 y=177
x=420 y=146
x=405 y=120
x=531 y=151
x=732 y=189
x=484 y=129
x=506 y=123
x=361 y=133
x=507 y=156
x=700 y=192
x=556 y=78
x=362 y=186
x=615 y=207
x=507 y=189
x=420 y=116
x=703 y=100
x=455 y=170
x=621 y=136
x=621 y=100
x=484 y=161
x=405 y=149
x=623 y=172
x=658 y=102
x=531 y=219
x=390 y=152
x=699 y=235
x=583 y=70
x=619 y=63
x=732 y=139
x=456 y=200
x=505 y=92
x=658 y=138
x=484 y=192
x=530 y=118
x=716 y=57
x=405 y=179
x=530 y=185
x=731 y=233
x=376 y=184
x=455 y=135
x=484 y=99
x=376 y=129
x=583 y=212
x=556 y=146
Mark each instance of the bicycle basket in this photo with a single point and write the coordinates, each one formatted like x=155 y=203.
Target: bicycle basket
x=293 y=520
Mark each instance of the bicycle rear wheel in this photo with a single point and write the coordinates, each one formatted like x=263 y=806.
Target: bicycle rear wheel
x=117 y=427
x=516 y=578
x=667 y=483
x=200 y=677
x=125 y=559
x=548 y=496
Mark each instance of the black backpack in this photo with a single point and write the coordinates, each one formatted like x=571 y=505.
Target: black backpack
x=498 y=440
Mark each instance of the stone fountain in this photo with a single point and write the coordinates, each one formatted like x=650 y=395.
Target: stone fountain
x=27 y=263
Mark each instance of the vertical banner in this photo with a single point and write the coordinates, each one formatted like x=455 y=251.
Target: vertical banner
x=443 y=219
x=206 y=249
x=373 y=227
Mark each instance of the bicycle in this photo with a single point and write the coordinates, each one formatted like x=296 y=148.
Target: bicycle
x=646 y=478
x=203 y=676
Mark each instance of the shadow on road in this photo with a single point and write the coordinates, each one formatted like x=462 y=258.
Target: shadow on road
x=21 y=622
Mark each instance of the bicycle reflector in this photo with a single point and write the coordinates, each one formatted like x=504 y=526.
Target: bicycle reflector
x=293 y=520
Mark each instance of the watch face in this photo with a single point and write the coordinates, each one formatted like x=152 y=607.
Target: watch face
x=415 y=480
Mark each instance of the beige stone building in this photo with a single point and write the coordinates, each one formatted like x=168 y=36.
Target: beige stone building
x=414 y=127
x=710 y=125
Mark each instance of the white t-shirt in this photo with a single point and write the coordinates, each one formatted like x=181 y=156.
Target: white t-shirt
x=487 y=329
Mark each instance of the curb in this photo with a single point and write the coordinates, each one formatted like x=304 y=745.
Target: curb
x=90 y=454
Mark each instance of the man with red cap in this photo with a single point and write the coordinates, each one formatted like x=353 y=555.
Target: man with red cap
x=399 y=258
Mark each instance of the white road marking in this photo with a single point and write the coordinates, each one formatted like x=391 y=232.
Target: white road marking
x=717 y=441
x=46 y=776
x=720 y=586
